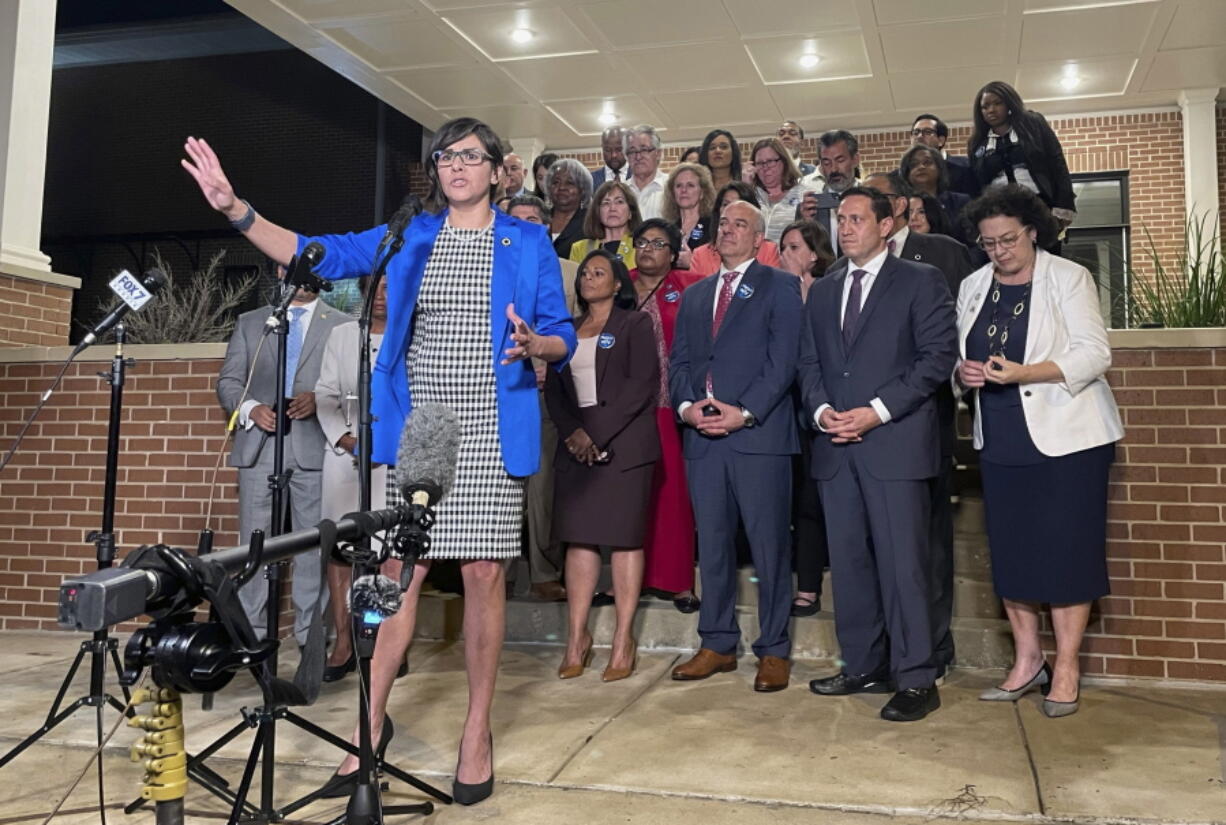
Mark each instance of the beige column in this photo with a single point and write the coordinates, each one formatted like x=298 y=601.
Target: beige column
x=27 y=44
x=1200 y=172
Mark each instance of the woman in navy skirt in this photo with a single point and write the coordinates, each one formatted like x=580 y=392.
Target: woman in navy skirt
x=1034 y=351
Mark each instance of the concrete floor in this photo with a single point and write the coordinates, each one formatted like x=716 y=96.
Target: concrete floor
x=649 y=750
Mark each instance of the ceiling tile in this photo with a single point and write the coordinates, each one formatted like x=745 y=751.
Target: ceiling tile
x=630 y=23
x=891 y=12
x=456 y=87
x=1102 y=76
x=400 y=43
x=1187 y=69
x=1196 y=23
x=692 y=110
x=516 y=121
x=1080 y=33
x=314 y=10
x=814 y=104
x=843 y=55
x=946 y=89
x=1042 y=6
x=758 y=18
x=490 y=31
x=583 y=115
x=677 y=68
x=944 y=45
x=564 y=78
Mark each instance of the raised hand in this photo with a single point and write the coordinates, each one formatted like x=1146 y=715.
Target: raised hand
x=525 y=339
x=202 y=164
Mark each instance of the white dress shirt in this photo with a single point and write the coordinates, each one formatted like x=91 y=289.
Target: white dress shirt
x=650 y=196
x=244 y=412
x=871 y=268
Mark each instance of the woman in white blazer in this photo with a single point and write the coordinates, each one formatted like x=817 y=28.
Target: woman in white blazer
x=336 y=407
x=1033 y=354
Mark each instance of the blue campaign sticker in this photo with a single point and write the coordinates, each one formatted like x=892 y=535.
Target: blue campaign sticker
x=746 y=291
x=672 y=297
x=696 y=233
x=606 y=340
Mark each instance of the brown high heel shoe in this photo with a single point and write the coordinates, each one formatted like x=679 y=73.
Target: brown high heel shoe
x=616 y=674
x=566 y=671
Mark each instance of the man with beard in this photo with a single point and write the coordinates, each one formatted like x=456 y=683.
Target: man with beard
x=839 y=162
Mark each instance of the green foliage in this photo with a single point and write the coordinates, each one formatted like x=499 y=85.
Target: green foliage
x=1186 y=291
x=201 y=310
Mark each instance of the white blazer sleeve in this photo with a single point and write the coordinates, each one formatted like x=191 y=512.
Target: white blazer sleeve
x=1089 y=352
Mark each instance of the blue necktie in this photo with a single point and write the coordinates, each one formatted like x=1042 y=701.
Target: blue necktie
x=293 y=348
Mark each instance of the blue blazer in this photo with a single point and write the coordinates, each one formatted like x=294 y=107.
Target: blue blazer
x=752 y=361
x=526 y=273
x=904 y=349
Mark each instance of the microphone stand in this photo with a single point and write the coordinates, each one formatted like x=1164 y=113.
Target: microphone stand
x=102 y=645
x=365 y=807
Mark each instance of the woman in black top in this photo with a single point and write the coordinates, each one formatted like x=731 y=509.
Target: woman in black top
x=1012 y=144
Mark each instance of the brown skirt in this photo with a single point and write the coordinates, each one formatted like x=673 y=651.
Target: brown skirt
x=601 y=504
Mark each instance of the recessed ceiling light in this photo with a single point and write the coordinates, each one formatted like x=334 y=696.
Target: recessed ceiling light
x=522 y=35
x=809 y=60
x=607 y=118
x=1070 y=82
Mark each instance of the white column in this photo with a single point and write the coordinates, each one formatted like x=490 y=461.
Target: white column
x=27 y=46
x=528 y=148
x=1200 y=180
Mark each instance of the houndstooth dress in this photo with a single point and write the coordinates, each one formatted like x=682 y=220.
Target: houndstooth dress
x=450 y=362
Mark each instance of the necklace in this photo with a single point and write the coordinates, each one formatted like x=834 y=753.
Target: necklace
x=469 y=235
x=998 y=328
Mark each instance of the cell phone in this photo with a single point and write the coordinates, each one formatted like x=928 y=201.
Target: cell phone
x=605 y=457
x=710 y=410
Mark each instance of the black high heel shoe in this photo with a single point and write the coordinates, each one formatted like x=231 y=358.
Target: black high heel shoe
x=470 y=794
x=343 y=784
x=334 y=673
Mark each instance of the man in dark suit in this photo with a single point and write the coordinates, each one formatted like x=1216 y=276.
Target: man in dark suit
x=879 y=339
x=952 y=259
x=614 y=156
x=260 y=413
x=733 y=364
x=930 y=130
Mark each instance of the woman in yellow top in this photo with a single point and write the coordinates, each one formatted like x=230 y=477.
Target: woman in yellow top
x=611 y=220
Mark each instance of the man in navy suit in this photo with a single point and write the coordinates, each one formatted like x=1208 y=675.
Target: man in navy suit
x=880 y=337
x=614 y=156
x=733 y=365
x=952 y=259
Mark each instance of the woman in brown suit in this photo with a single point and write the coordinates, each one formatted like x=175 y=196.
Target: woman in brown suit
x=603 y=404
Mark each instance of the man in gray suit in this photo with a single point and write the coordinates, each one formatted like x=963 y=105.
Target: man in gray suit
x=259 y=412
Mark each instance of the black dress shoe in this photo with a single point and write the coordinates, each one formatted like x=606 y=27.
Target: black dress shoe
x=334 y=673
x=342 y=784
x=844 y=684
x=803 y=606
x=602 y=599
x=911 y=705
x=687 y=604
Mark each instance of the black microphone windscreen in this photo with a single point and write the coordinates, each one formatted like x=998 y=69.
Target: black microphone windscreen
x=155 y=279
x=429 y=445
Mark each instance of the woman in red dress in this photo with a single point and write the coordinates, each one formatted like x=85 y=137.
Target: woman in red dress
x=669 y=543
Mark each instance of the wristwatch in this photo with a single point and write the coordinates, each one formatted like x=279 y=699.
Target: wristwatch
x=748 y=416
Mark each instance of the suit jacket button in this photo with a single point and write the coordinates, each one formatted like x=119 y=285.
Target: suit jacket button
x=1026 y=393
x=604 y=403
x=847 y=375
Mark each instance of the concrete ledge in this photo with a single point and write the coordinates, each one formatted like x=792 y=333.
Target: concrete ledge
x=1167 y=338
x=27 y=273
x=106 y=351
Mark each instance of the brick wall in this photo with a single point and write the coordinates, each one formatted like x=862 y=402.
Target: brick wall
x=1133 y=142
x=1166 y=615
x=51 y=493
x=36 y=313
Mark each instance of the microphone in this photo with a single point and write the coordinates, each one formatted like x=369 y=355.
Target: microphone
x=409 y=207
x=133 y=294
x=302 y=270
x=374 y=598
x=425 y=462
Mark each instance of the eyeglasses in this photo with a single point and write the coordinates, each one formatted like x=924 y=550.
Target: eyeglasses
x=923 y=132
x=770 y=162
x=656 y=243
x=636 y=152
x=1003 y=242
x=469 y=157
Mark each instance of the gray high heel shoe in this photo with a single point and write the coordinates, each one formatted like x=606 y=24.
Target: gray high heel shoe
x=1054 y=710
x=1041 y=680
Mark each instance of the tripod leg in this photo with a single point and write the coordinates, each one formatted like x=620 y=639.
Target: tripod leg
x=41 y=732
x=127 y=694
x=59 y=697
x=240 y=797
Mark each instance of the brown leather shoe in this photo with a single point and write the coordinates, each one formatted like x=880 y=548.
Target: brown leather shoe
x=773 y=673
x=548 y=592
x=705 y=663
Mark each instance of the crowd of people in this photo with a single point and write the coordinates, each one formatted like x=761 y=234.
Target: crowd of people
x=745 y=356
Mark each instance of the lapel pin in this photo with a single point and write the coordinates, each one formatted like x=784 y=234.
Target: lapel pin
x=745 y=291
x=606 y=340
x=506 y=241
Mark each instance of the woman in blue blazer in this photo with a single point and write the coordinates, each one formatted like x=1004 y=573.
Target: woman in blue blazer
x=471 y=297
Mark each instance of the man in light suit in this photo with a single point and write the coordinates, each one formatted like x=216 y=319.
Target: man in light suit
x=732 y=368
x=952 y=259
x=879 y=339
x=259 y=415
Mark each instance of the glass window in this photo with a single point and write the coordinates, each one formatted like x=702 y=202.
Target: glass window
x=1098 y=239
